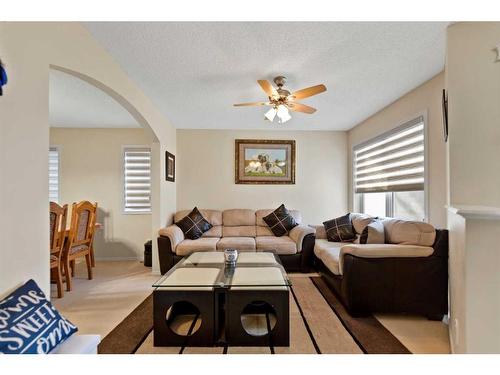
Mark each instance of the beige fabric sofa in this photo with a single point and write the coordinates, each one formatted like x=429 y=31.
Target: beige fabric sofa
x=241 y=229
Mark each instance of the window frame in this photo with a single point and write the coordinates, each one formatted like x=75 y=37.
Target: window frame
x=58 y=148
x=357 y=198
x=126 y=148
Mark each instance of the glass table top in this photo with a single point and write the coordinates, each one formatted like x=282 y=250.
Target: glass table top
x=209 y=270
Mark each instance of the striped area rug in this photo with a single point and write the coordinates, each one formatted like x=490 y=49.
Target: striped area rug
x=318 y=324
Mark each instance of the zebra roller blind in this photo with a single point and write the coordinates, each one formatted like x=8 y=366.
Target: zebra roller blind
x=395 y=161
x=54 y=174
x=137 y=179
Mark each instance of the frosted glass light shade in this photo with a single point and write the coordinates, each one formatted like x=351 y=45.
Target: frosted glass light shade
x=283 y=114
x=271 y=114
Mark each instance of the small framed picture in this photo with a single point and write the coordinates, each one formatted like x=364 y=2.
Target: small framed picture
x=169 y=166
x=445 y=115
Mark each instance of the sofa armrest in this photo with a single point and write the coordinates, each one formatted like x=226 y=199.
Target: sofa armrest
x=320 y=231
x=174 y=234
x=383 y=251
x=298 y=233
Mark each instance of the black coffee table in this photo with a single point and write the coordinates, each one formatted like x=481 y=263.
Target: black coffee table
x=203 y=302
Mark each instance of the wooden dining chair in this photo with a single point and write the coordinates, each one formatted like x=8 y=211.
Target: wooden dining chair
x=79 y=239
x=57 y=216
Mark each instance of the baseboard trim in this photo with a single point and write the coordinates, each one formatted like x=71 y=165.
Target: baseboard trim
x=105 y=259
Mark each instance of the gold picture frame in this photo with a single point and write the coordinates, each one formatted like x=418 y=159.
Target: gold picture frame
x=264 y=161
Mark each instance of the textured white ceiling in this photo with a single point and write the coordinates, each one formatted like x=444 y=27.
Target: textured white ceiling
x=77 y=104
x=193 y=72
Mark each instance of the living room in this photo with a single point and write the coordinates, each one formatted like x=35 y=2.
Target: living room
x=316 y=193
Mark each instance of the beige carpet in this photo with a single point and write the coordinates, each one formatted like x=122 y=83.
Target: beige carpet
x=417 y=333
x=99 y=305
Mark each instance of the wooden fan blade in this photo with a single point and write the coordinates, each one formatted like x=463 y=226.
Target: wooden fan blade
x=251 y=104
x=310 y=91
x=298 y=107
x=268 y=88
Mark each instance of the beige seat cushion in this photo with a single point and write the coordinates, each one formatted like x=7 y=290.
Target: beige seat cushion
x=263 y=231
x=332 y=253
x=215 y=231
x=201 y=244
x=237 y=217
x=214 y=217
x=383 y=251
x=328 y=252
x=405 y=232
x=238 y=243
x=238 y=223
x=283 y=245
x=239 y=231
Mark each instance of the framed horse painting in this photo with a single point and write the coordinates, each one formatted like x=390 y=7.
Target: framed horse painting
x=264 y=161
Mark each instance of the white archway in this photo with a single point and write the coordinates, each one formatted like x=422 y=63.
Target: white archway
x=30 y=49
x=129 y=107
x=113 y=237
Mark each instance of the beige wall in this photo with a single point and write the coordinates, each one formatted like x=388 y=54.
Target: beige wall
x=473 y=85
x=24 y=138
x=205 y=173
x=96 y=174
x=29 y=49
x=425 y=98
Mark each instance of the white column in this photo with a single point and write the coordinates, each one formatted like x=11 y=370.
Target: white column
x=475 y=293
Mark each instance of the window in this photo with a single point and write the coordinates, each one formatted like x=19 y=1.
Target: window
x=409 y=204
x=374 y=204
x=389 y=173
x=137 y=179
x=54 y=174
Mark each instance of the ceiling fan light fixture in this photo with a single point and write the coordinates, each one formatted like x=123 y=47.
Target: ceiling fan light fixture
x=283 y=101
x=271 y=114
x=283 y=114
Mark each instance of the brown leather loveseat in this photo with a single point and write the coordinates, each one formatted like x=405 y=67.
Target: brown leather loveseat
x=408 y=273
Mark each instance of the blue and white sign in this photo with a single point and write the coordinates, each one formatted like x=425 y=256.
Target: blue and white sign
x=29 y=324
x=3 y=77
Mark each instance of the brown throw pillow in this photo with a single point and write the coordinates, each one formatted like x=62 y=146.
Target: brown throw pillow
x=193 y=225
x=340 y=229
x=280 y=221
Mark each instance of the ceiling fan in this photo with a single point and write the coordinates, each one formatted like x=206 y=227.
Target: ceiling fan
x=282 y=100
